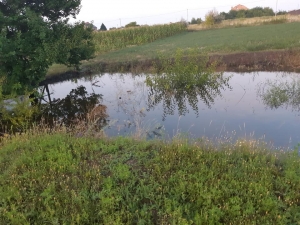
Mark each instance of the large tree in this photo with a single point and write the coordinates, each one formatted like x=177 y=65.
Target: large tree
x=34 y=34
x=103 y=27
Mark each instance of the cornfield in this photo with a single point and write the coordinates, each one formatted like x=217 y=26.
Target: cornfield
x=117 y=39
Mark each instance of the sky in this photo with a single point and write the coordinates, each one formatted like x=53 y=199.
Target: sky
x=116 y=13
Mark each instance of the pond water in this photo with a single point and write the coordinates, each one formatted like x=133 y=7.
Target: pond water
x=259 y=105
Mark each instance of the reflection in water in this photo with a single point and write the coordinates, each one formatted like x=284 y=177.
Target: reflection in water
x=281 y=92
x=77 y=107
x=184 y=92
x=227 y=113
x=181 y=82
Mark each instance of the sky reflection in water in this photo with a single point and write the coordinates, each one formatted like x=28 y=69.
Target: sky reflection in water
x=254 y=105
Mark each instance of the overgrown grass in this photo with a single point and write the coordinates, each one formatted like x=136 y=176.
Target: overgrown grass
x=55 y=178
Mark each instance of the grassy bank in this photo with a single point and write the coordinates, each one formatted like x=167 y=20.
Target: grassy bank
x=60 y=179
x=283 y=36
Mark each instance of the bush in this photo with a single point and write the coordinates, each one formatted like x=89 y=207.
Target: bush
x=131 y=24
x=255 y=12
x=196 y=21
x=213 y=17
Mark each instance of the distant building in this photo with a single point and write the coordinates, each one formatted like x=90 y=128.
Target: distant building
x=87 y=24
x=239 y=7
x=294 y=12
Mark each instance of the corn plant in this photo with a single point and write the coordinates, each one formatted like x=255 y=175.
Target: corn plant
x=117 y=39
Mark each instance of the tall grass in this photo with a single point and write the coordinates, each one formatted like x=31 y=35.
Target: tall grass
x=60 y=179
x=117 y=39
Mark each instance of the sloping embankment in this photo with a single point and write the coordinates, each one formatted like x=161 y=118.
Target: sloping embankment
x=279 y=60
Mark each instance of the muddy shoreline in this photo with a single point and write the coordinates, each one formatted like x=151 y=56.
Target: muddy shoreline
x=279 y=60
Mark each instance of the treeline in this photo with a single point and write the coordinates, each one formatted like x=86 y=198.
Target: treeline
x=255 y=12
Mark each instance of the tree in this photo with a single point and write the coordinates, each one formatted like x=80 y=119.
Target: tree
x=36 y=34
x=213 y=17
x=241 y=14
x=255 y=12
x=281 y=13
x=196 y=21
x=103 y=27
x=131 y=24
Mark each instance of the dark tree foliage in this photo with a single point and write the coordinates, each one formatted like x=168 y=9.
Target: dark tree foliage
x=196 y=21
x=282 y=13
x=76 y=107
x=103 y=27
x=255 y=12
x=131 y=24
x=36 y=34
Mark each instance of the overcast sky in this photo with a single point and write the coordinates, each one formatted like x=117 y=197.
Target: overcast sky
x=116 y=13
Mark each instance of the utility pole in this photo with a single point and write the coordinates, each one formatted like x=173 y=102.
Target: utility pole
x=120 y=23
x=187 y=15
x=276 y=8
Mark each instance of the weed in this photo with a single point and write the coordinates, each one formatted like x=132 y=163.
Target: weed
x=57 y=178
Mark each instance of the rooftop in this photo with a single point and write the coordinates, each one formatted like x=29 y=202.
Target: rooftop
x=239 y=7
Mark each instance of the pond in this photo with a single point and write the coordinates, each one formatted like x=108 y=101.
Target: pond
x=258 y=105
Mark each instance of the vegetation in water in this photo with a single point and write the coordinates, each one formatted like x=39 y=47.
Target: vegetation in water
x=57 y=178
x=184 y=79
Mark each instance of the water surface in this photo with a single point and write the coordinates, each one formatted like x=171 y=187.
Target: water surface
x=260 y=105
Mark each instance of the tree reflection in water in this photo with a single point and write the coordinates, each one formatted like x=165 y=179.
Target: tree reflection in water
x=78 y=107
x=281 y=93
x=183 y=82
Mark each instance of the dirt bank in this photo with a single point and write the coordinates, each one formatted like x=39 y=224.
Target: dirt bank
x=279 y=60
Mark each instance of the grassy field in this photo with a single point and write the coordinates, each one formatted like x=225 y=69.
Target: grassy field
x=223 y=40
x=226 y=40
x=61 y=179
